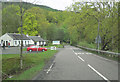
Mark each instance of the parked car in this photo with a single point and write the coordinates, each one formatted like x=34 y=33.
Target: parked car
x=36 y=48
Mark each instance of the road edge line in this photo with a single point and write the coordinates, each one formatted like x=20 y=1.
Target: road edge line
x=49 y=68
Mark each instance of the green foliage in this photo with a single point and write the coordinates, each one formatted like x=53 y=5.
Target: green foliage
x=75 y=26
x=10 y=19
x=85 y=19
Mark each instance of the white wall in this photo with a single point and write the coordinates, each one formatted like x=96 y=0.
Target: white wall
x=18 y=42
x=7 y=38
x=31 y=42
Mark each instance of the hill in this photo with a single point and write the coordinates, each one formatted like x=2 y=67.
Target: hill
x=27 y=5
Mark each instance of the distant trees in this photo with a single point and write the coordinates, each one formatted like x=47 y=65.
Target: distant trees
x=86 y=17
x=10 y=19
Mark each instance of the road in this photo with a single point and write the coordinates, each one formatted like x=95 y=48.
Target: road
x=72 y=63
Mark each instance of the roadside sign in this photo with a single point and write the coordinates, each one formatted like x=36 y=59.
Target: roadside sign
x=53 y=48
x=55 y=42
x=98 y=39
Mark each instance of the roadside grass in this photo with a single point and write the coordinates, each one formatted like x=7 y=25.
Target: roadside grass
x=25 y=49
x=93 y=46
x=32 y=64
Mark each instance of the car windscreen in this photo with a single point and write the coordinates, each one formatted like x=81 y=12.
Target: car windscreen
x=33 y=46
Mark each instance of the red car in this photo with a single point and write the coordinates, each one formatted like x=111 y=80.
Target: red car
x=36 y=48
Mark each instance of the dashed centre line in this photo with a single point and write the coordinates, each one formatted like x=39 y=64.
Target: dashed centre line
x=81 y=58
x=91 y=66
x=98 y=73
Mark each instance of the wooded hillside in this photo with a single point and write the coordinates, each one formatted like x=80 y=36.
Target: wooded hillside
x=79 y=23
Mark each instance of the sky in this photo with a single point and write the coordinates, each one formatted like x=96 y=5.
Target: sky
x=61 y=4
x=56 y=4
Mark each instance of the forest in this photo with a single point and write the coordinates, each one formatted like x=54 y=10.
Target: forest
x=79 y=24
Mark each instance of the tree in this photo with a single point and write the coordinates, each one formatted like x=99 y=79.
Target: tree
x=10 y=19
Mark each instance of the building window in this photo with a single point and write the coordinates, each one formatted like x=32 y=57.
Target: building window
x=25 y=42
x=15 y=42
x=28 y=42
x=19 y=42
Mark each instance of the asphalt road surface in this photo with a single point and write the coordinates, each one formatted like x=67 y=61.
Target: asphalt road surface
x=11 y=50
x=72 y=63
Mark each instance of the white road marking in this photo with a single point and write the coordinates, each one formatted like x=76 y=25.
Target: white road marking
x=88 y=53
x=98 y=73
x=49 y=68
x=101 y=57
x=76 y=54
x=81 y=58
x=81 y=53
x=73 y=50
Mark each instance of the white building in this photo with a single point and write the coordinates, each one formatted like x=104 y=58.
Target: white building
x=15 y=40
x=37 y=40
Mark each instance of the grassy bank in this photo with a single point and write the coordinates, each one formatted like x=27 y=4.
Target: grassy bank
x=93 y=46
x=32 y=63
x=85 y=44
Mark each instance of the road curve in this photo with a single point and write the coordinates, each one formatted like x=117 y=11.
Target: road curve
x=73 y=63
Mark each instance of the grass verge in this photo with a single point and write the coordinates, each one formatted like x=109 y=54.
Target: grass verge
x=32 y=64
x=85 y=44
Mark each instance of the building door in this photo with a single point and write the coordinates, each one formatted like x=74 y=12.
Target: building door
x=6 y=43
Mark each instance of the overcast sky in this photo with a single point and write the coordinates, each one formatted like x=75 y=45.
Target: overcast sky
x=57 y=4
x=61 y=4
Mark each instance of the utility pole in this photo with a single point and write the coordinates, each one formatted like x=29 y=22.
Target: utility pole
x=98 y=36
x=21 y=57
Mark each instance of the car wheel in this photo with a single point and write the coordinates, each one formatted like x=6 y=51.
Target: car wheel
x=30 y=50
x=43 y=50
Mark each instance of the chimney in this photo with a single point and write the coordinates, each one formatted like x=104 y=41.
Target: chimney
x=27 y=35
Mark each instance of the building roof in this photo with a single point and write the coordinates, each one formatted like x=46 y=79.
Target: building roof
x=18 y=36
x=36 y=38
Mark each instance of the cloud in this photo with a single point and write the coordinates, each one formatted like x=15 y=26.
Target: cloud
x=57 y=4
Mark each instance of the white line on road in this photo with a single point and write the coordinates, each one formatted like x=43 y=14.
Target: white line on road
x=49 y=68
x=74 y=52
x=98 y=73
x=81 y=58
